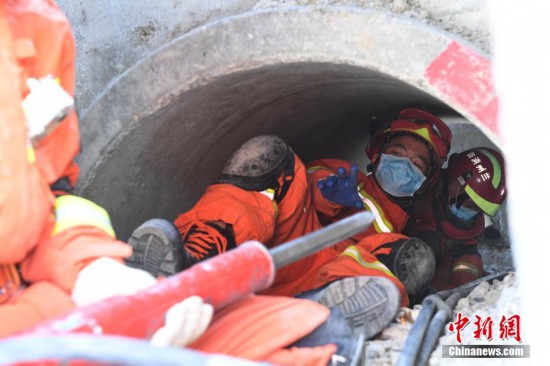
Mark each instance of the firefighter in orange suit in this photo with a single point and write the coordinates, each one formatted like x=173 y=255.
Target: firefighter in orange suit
x=451 y=219
x=56 y=250
x=266 y=193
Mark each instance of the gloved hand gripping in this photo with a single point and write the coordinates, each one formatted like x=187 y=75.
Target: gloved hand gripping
x=342 y=188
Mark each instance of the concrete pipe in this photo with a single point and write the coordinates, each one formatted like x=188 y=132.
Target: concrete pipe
x=318 y=77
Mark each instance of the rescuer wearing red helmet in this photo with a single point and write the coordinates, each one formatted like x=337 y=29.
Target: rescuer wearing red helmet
x=406 y=159
x=266 y=193
x=423 y=126
x=451 y=219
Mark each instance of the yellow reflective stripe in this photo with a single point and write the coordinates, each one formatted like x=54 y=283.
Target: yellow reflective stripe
x=73 y=211
x=422 y=132
x=466 y=267
x=497 y=172
x=270 y=193
x=31 y=155
x=354 y=253
x=488 y=207
x=276 y=208
x=380 y=223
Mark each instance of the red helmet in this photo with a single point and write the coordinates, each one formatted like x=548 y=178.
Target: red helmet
x=481 y=172
x=430 y=129
x=433 y=131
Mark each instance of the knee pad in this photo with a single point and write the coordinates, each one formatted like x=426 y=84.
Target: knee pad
x=258 y=163
x=413 y=262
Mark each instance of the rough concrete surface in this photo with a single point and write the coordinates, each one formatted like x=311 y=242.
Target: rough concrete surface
x=123 y=32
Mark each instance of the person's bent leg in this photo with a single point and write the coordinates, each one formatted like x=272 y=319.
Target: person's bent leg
x=361 y=286
x=366 y=290
x=408 y=262
x=262 y=195
x=248 y=202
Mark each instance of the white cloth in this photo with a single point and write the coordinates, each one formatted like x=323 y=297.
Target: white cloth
x=185 y=322
x=106 y=277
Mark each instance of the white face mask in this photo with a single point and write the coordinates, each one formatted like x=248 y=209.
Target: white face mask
x=462 y=212
x=398 y=176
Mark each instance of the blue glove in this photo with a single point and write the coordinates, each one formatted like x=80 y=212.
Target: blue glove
x=342 y=189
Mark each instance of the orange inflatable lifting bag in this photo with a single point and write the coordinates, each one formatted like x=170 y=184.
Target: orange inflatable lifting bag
x=260 y=327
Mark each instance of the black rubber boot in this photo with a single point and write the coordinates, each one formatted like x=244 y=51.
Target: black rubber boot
x=413 y=262
x=369 y=304
x=258 y=164
x=157 y=248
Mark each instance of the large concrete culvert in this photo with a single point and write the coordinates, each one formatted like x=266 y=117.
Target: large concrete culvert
x=160 y=133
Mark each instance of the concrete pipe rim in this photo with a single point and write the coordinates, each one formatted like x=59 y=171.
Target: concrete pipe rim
x=438 y=48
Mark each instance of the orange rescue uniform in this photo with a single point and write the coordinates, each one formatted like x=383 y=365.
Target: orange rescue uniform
x=42 y=245
x=256 y=216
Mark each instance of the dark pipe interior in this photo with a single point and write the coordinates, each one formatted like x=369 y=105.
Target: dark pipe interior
x=161 y=166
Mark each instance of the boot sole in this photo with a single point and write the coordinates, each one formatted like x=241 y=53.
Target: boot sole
x=369 y=304
x=156 y=248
